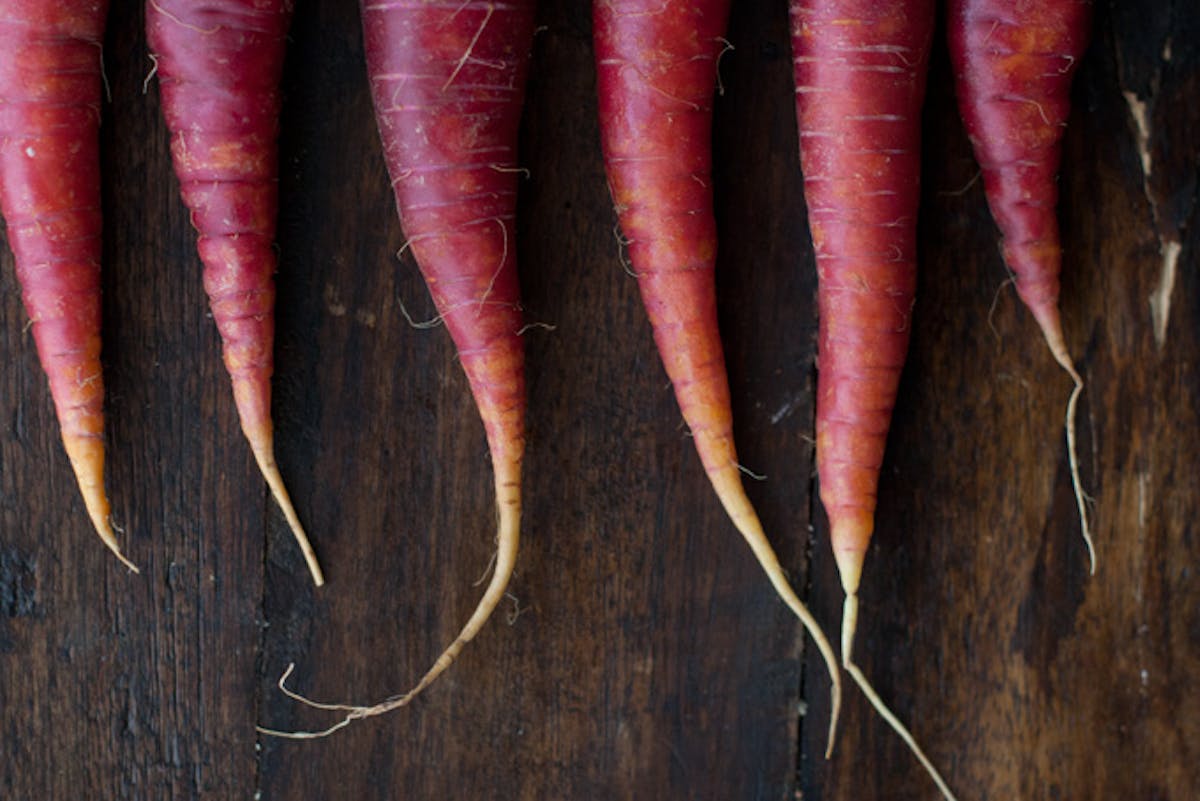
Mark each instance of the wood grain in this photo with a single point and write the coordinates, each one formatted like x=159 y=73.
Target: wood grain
x=116 y=686
x=643 y=654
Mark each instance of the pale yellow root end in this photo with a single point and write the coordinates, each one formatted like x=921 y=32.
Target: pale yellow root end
x=104 y=529
x=264 y=454
x=728 y=486
x=89 y=474
x=1058 y=348
x=850 y=533
x=507 y=541
x=849 y=626
x=850 y=566
x=1076 y=482
x=1051 y=329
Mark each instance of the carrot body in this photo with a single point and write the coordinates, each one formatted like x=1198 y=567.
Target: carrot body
x=219 y=66
x=1013 y=65
x=448 y=83
x=860 y=80
x=50 y=198
x=860 y=70
x=657 y=72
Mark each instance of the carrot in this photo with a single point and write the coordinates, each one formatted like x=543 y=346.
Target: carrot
x=448 y=79
x=860 y=82
x=50 y=198
x=656 y=67
x=219 y=66
x=1013 y=64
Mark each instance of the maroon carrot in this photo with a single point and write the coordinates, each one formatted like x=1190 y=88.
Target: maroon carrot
x=656 y=66
x=50 y=197
x=448 y=83
x=1013 y=64
x=219 y=66
x=860 y=82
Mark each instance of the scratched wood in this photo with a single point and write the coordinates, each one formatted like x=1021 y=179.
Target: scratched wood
x=642 y=653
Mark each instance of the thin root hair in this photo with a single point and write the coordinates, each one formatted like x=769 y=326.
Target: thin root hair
x=623 y=243
x=995 y=303
x=425 y=325
x=499 y=268
x=104 y=74
x=746 y=471
x=728 y=45
x=178 y=21
x=517 y=610
x=491 y=9
x=408 y=243
x=502 y=168
x=539 y=325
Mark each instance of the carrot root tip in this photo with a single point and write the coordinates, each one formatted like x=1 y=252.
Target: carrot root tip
x=728 y=487
x=849 y=625
x=1081 y=497
x=104 y=528
x=507 y=538
x=116 y=550
x=1052 y=331
x=264 y=456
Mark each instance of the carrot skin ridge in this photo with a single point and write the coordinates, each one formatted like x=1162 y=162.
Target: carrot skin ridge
x=1013 y=70
x=860 y=78
x=860 y=68
x=448 y=83
x=219 y=67
x=657 y=74
x=50 y=198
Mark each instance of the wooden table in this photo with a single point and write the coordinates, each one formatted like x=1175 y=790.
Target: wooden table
x=642 y=654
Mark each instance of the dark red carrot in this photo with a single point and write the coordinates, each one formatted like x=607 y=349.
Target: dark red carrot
x=219 y=65
x=656 y=63
x=1013 y=64
x=448 y=82
x=50 y=197
x=860 y=82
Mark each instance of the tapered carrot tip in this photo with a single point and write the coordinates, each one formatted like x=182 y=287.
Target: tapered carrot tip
x=727 y=483
x=87 y=460
x=263 y=444
x=508 y=506
x=849 y=627
x=1050 y=321
x=850 y=530
x=849 y=534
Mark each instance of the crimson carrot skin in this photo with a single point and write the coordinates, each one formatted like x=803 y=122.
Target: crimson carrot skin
x=1013 y=64
x=656 y=68
x=860 y=78
x=448 y=84
x=50 y=82
x=860 y=68
x=219 y=66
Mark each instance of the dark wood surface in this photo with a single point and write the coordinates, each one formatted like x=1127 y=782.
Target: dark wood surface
x=642 y=653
